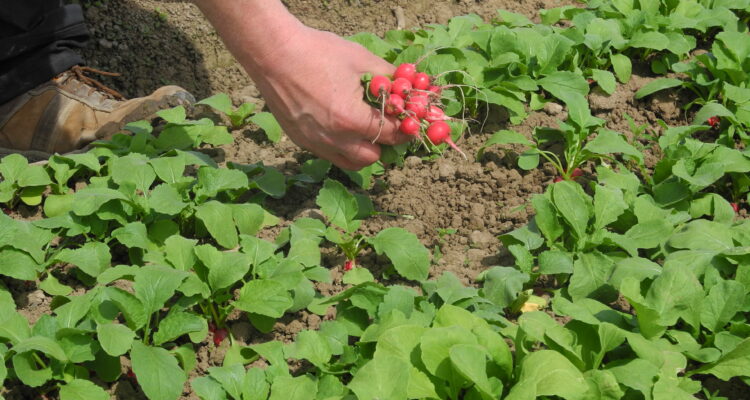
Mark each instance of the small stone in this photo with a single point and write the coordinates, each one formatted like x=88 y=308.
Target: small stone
x=446 y=170
x=293 y=327
x=106 y=43
x=477 y=218
x=482 y=239
x=396 y=178
x=553 y=108
x=478 y=209
x=416 y=227
x=475 y=256
x=35 y=298
x=313 y=321
x=476 y=222
x=514 y=176
x=247 y=94
x=469 y=171
x=413 y=161
x=602 y=102
x=456 y=221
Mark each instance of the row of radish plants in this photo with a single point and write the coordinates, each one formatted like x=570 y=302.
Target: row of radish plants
x=147 y=246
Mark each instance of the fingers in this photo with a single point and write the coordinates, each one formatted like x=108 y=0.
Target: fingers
x=350 y=152
x=374 y=64
x=372 y=130
x=356 y=155
x=384 y=68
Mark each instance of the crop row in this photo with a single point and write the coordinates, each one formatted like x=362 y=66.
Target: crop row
x=149 y=248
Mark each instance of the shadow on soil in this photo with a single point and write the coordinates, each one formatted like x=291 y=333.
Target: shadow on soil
x=146 y=47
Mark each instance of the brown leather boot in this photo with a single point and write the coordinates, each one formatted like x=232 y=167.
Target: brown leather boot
x=72 y=110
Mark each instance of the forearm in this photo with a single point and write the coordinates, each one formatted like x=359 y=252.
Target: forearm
x=309 y=79
x=253 y=30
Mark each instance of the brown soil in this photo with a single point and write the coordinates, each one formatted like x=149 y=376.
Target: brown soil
x=169 y=42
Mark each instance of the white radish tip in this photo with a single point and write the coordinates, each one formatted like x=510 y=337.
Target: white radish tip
x=454 y=147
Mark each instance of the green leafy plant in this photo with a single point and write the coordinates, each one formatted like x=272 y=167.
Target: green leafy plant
x=244 y=114
x=345 y=212
x=578 y=148
x=718 y=81
x=21 y=181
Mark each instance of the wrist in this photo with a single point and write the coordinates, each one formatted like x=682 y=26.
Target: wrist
x=252 y=30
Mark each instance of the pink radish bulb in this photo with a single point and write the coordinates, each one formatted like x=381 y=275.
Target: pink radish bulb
x=435 y=90
x=434 y=114
x=401 y=86
x=219 y=335
x=380 y=85
x=410 y=126
x=439 y=132
x=421 y=81
x=406 y=71
x=394 y=105
x=417 y=105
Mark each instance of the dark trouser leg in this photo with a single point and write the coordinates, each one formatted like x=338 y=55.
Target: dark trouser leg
x=38 y=39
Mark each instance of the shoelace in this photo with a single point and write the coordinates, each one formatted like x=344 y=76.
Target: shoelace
x=80 y=72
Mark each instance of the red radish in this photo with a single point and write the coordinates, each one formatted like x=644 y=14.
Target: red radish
x=421 y=81
x=401 y=86
x=417 y=105
x=380 y=85
x=410 y=126
x=348 y=265
x=557 y=179
x=406 y=71
x=735 y=207
x=394 y=105
x=576 y=173
x=211 y=327
x=130 y=374
x=435 y=114
x=435 y=90
x=714 y=121
x=439 y=132
x=219 y=335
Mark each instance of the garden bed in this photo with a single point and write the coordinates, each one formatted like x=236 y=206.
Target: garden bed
x=470 y=215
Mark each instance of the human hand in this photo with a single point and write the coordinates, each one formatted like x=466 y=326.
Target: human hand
x=311 y=82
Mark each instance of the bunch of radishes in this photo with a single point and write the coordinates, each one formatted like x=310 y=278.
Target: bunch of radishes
x=415 y=100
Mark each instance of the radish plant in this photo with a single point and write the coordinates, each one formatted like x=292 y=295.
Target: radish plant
x=22 y=182
x=345 y=212
x=245 y=114
x=718 y=80
x=577 y=149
